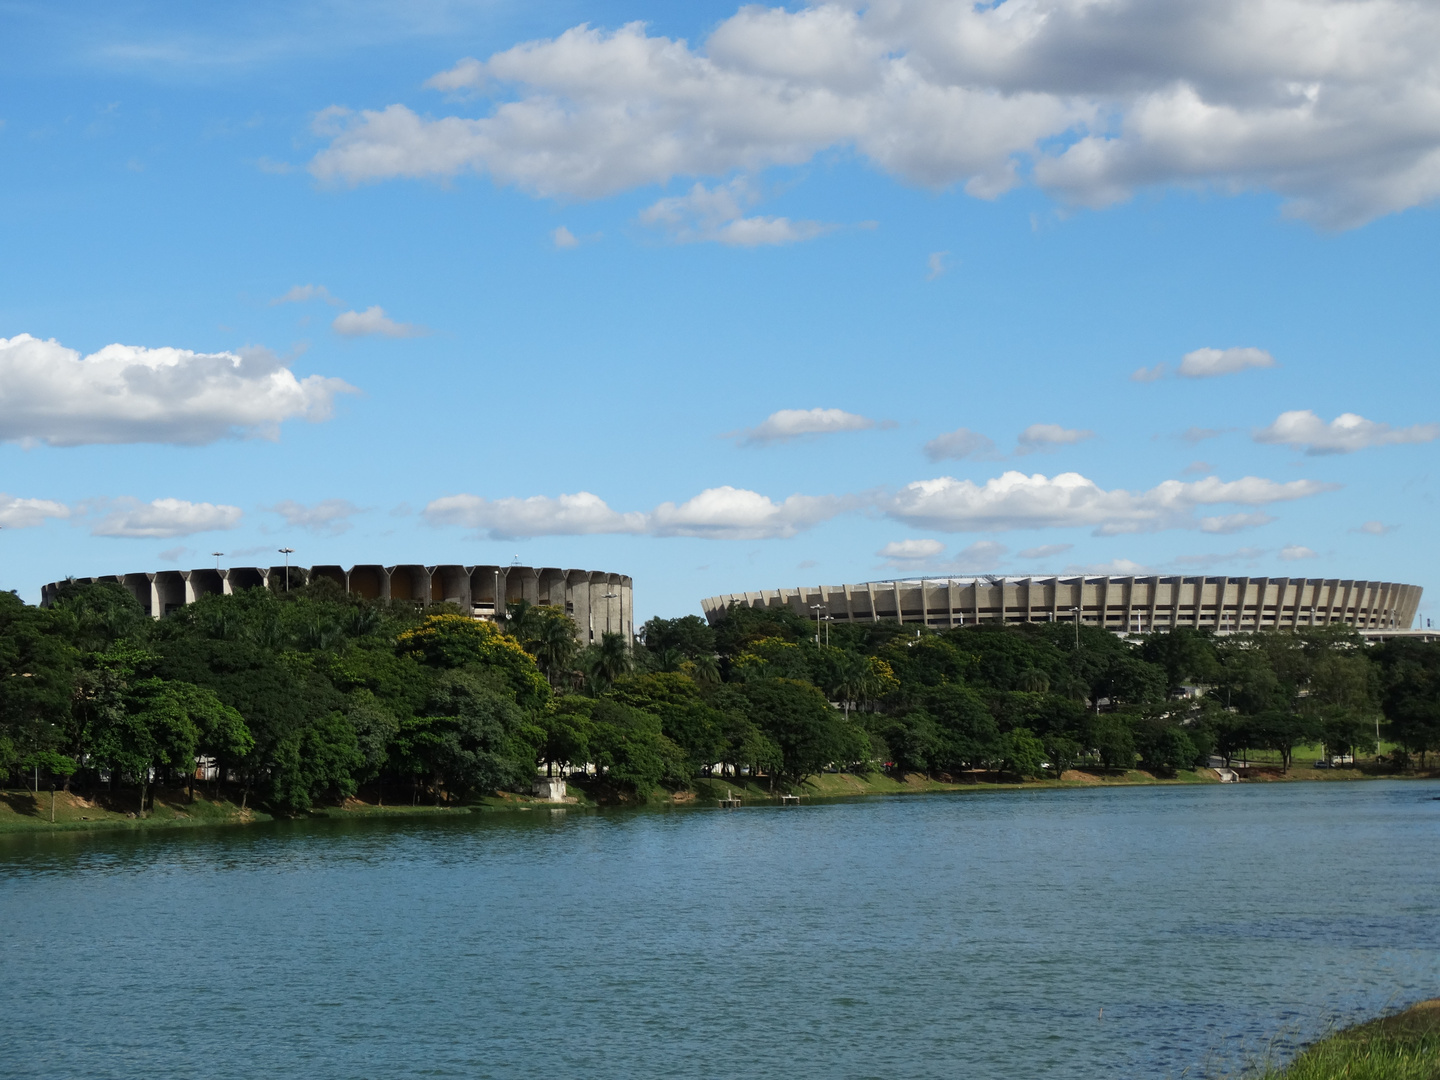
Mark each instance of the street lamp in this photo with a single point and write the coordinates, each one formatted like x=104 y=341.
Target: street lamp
x=287 y=552
x=817 y=608
x=609 y=596
x=217 y=555
x=1076 y=610
x=828 y=620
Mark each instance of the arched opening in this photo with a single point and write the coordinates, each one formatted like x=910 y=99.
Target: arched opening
x=368 y=582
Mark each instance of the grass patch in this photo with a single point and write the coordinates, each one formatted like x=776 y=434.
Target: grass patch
x=1405 y=1046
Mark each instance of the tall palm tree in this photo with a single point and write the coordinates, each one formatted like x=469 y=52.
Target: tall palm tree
x=554 y=646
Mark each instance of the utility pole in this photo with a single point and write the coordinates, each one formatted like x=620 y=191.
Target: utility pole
x=287 y=552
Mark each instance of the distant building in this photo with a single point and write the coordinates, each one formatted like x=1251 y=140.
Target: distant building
x=599 y=602
x=1129 y=604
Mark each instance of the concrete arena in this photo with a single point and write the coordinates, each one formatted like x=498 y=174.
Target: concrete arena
x=599 y=602
x=1123 y=604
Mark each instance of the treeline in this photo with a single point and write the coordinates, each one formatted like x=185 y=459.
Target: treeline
x=310 y=696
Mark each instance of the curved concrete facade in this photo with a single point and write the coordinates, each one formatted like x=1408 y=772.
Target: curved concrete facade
x=1121 y=604
x=599 y=602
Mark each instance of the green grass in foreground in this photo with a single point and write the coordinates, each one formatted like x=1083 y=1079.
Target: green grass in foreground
x=1405 y=1046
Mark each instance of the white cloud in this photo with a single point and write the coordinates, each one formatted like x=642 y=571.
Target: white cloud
x=581 y=514
x=329 y=517
x=162 y=518
x=723 y=513
x=935 y=265
x=563 y=237
x=978 y=557
x=727 y=513
x=1045 y=551
x=1330 y=103
x=1016 y=501
x=1208 y=363
x=911 y=550
x=1197 y=468
x=128 y=394
x=1375 y=528
x=1233 y=523
x=718 y=214
x=959 y=444
x=1291 y=552
x=1303 y=430
x=1045 y=436
x=300 y=294
x=1148 y=374
x=787 y=424
x=373 y=320
x=17 y=513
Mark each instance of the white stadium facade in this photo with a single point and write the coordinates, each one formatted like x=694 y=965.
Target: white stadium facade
x=597 y=601
x=1125 y=605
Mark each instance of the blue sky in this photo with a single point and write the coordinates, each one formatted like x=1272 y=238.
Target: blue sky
x=689 y=300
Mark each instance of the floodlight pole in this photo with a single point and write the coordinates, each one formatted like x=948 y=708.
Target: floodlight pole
x=287 y=552
x=217 y=555
x=817 y=608
x=1077 y=626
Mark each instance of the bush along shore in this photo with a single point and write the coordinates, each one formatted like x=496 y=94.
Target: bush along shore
x=278 y=703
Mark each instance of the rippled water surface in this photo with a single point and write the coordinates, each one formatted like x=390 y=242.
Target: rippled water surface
x=945 y=936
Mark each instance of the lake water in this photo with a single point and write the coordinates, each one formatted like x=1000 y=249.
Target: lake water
x=925 y=936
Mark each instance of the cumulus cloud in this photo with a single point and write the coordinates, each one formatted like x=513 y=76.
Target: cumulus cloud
x=727 y=513
x=1045 y=551
x=299 y=294
x=978 y=557
x=1208 y=363
x=959 y=444
x=563 y=237
x=129 y=394
x=17 y=513
x=329 y=517
x=1291 y=552
x=1048 y=436
x=787 y=424
x=1016 y=501
x=722 y=513
x=1375 y=528
x=162 y=518
x=935 y=265
x=718 y=214
x=903 y=551
x=1233 y=523
x=1303 y=430
x=581 y=514
x=374 y=321
x=1330 y=103
x=1148 y=374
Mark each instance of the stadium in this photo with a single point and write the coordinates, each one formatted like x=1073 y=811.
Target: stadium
x=1123 y=604
x=597 y=601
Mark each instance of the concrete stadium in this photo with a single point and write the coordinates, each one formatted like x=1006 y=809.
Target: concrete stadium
x=1125 y=605
x=597 y=601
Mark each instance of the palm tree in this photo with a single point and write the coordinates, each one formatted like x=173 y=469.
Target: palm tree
x=614 y=657
x=553 y=645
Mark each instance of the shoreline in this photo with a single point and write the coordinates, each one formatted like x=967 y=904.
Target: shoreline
x=24 y=812
x=1400 y=1045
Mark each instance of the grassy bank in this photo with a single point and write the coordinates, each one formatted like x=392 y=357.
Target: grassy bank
x=1405 y=1046
x=22 y=810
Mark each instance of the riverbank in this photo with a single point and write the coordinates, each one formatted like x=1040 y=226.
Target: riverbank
x=1405 y=1046
x=26 y=811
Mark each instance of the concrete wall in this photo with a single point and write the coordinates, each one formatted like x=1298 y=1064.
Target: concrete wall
x=1121 y=604
x=598 y=602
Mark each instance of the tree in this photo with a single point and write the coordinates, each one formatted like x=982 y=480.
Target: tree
x=690 y=636
x=1064 y=753
x=551 y=640
x=152 y=732
x=810 y=734
x=567 y=735
x=449 y=641
x=968 y=734
x=1111 y=738
x=1283 y=730
x=1022 y=753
